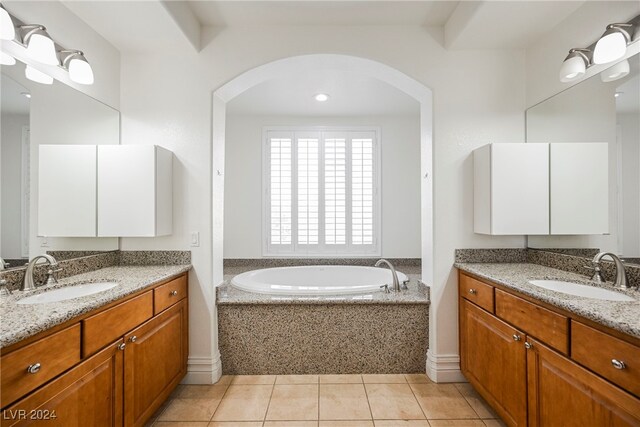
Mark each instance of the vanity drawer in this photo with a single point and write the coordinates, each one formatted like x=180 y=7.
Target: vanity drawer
x=476 y=291
x=543 y=324
x=597 y=350
x=54 y=354
x=166 y=295
x=107 y=326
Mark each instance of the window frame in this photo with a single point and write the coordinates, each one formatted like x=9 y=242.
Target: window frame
x=321 y=250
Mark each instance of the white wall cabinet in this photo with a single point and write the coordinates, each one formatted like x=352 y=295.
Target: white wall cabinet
x=511 y=189
x=67 y=190
x=104 y=191
x=134 y=191
x=540 y=189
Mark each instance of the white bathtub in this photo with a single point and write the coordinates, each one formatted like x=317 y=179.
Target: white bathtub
x=315 y=280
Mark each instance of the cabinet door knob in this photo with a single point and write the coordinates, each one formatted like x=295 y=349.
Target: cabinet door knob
x=473 y=291
x=133 y=338
x=173 y=293
x=618 y=364
x=528 y=345
x=517 y=337
x=32 y=369
x=122 y=346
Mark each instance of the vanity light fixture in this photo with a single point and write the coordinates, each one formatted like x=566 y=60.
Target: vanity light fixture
x=321 y=97
x=615 y=72
x=37 y=76
x=7 y=28
x=40 y=46
x=6 y=59
x=613 y=43
x=79 y=68
x=575 y=65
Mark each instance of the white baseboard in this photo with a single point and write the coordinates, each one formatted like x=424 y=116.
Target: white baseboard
x=203 y=370
x=444 y=368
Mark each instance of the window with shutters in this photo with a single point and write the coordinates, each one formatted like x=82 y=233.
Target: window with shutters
x=322 y=192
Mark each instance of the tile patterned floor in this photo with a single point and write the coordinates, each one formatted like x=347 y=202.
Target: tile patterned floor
x=410 y=400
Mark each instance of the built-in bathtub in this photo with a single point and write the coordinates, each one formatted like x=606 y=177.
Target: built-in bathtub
x=315 y=280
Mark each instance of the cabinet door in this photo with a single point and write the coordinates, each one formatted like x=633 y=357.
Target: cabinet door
x=155 y=362
x=89 y=395
x=67 y=190
x=493 y=359
x=562 y=393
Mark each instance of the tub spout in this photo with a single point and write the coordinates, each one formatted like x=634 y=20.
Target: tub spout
x=396 y=282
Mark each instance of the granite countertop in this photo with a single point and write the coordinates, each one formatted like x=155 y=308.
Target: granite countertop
x=18 y=322
x=623 y=316
x=417 y=293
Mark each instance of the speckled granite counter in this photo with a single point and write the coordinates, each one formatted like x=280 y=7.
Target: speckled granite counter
x=621 y=316
x=18 y=322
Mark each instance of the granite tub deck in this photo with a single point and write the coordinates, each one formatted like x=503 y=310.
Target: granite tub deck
x=22 y=321
x=374 y=333
x=623 y=316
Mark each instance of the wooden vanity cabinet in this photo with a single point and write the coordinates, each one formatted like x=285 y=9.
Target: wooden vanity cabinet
x=552 y=379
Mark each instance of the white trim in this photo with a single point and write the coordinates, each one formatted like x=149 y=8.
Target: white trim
x=25 y=191
x=203 y=370
x=444 y=368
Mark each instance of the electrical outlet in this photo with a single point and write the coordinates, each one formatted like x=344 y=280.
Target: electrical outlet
x=195 y=239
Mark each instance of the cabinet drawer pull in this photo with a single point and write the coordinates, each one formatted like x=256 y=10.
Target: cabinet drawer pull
x=517 y=337
x=473 y=291
x=618 y=364
x=122 y=346
x=528 y=345
x=33 y=369
x=173 y=293
x=133 y=338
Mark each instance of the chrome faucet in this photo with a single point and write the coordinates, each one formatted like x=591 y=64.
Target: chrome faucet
x=621 y=274
x=28 y=284
x=396 y=282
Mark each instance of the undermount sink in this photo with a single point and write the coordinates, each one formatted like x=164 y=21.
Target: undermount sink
x=70 y=292
x=581 y=290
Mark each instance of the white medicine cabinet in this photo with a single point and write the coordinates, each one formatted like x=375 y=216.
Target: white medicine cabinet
x=541 y=189
x=104 y=191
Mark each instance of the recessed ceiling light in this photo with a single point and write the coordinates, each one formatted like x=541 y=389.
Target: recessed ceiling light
x=321 y=97
x=25 y=94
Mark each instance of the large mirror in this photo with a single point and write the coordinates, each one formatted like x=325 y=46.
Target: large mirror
x=33 y=114
x=599 y=109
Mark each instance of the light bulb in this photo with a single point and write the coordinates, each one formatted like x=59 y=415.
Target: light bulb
x=321 y=97
x=6 y=59
x=7 y=30
x=37 y=76
x=80 y=70
x=40 y=47
x=611 y=46
x=572 y=69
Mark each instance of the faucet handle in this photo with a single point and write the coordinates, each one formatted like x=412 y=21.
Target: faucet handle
x=4 y=288
x=597 y=272
x=404 y=284
x=51 y=278
x=385 y=288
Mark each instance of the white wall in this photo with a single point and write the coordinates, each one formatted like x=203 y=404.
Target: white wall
x=11 y=179
x=478 y=99
x=400 y=159
x=629 y=125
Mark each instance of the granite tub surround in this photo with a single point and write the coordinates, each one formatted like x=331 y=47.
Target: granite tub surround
x=620 y=316
x=23 y=321
x=321 y=338
x=236 y=266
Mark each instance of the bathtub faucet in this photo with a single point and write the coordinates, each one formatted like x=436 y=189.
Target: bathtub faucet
x=396 y=282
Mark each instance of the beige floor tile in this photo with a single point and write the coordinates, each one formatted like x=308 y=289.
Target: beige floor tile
x=291 y=424
x=476 y=401
x=494 y=423
x=341 y=379
x=456 y=423
x=442 y=401
x=293 y=402
x=343 y=402
x=383 y=378
x=235 y=424
x=393 y=402
x=402 y=423
x=189 y=410
x=225 y=379
x=253 y=379
x=181 y=424
x=201 y=392
x=244 y=403
x=297 y=379
x=344 y=423
x=418 y=378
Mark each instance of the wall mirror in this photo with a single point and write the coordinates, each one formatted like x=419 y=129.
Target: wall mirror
x=33 y=114
x=599 y=109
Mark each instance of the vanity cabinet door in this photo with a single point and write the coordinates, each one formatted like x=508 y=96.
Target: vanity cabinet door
x=562 y=393
x=493 y=359
x=89 y=395
x=155 y=362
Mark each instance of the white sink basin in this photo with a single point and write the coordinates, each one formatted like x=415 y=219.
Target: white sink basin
x=581 y=290
x=70 y=292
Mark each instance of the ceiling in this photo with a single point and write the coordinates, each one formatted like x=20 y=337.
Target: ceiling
x=349 y=95
x=165 y=25
x=13 y=100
